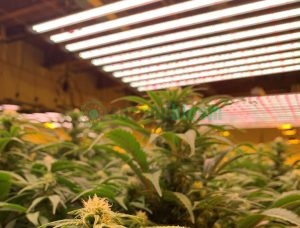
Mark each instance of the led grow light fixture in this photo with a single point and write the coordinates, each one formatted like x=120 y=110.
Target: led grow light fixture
x=262 y=111
x=225 y=77
x=174 y=24
x=133 y=19
x=202 y=71
x=206 y=66
x=207 y=51
x=199 y=43
x=89 y=15
x=187 y=34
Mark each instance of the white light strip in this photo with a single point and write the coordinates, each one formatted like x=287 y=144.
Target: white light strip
x=187 y=45
x=242 y=65
x=223 y=77
x=187 y=21
x=206 y=66
x=191 y=33
x=137 y=18
x=89 y=15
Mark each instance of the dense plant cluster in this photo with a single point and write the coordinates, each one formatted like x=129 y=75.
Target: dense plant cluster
x=147 y=169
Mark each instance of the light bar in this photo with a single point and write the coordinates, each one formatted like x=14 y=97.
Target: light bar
x=137 y=18
x=174 y=24
x=207 y=70
x=224 y=77
x=192 y=44
x=192 y=33
x=205 y=61
x=89 y=15
x=259 y=112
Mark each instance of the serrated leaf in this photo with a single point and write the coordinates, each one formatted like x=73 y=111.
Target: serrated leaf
x=283 y=214
x=128 y=142
x=64 y=165
x=286 y=198
x=154 y=179
x=126 y=158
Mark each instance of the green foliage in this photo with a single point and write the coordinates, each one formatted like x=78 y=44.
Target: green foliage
x=157 y=166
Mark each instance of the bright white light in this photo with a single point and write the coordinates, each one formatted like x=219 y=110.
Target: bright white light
x=89 y=15
x=206 y=66
x=133 y=19
x=224 y=77
x=174 y=24
x=219 y=71
x=267 y=111
x=191 y=33
x=10 y=107
x=187 y=54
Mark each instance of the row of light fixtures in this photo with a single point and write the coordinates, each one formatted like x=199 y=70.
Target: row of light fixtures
x=158 y=65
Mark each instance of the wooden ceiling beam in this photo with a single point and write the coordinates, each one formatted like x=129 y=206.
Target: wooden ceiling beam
x=21 y=12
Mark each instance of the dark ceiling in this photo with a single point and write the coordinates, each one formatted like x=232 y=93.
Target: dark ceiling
x=17 y=15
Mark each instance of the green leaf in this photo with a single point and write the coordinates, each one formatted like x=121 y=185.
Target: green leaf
x=156 y=99
x=69 y=184
x=185 y=201
x=12 y=207
x=34 y=218
x=3 y=143
x=126 y=122
x=5 y=183
x=104 y=190
x=15 y=177
x=250 y=221
x=64 y=165
x=55 y=200
x=135 y=99
x=124 y=157
x=231 y=160
x=128 y=142
x=286 y=198
x=172 y=139
x=38 y=169
x=154 y=179
x=283 y=214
